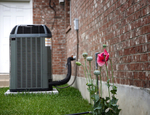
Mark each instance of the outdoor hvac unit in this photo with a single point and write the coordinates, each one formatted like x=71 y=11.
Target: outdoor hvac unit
x=30 y=58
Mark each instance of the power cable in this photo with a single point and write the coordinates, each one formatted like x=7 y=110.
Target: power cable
x=53 y=8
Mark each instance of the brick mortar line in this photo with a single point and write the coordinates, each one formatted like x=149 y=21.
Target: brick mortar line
x=136 y=71
x=125 y=47
x=129 y=78
x=122 y=19
x=103 y=12
x=123 y=41
x=126 y=10
x=128 y=24
x=133 y=63
x=100 y=14
x=125 y=33
x=132 y=54
x=124 y=26
x=123 y=11
x=135 y=53
x=132 y=47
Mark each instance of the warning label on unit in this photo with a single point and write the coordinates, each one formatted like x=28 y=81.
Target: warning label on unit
x=48 y=42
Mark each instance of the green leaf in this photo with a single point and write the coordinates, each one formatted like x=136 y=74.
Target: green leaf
x=97 y=108
x=110 y=112
x=107 y=98
x=114 y=104
x=114 y=87
x=89 y=84
x=97 y=97
x=108 y=80
x=108 y=85
x=114 y=100
x=113 y=91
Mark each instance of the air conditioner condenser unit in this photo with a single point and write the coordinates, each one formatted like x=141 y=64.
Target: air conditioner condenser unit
x=31 y=65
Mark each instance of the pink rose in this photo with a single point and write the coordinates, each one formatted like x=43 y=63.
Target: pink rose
x=103 y=58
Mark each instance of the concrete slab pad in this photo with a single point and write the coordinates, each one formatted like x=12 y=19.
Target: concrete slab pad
x=54 y=91
x=4 y=76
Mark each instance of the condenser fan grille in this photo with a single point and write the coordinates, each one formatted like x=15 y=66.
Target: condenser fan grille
x=30 y=29
x=29 y=53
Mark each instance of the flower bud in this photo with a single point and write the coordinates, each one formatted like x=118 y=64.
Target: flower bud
x=78 y=63
x=104 y=45
x=89 y=58
x=96 y=72
x=85 y=54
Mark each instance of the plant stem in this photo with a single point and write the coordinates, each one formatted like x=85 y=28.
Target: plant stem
x=112 y=71
x=90 y=72
x=100 y=84
x=97 y=84
x=91 y=81
x=86 y=69
x=90 y=95
x=85 y=73
x=107 y=80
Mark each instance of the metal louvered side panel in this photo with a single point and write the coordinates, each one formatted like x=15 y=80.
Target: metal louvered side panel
x=33 y=63
x=19 y=63
x=29 y=63
x=24 y=64
x=29 y=50
x=39 y=64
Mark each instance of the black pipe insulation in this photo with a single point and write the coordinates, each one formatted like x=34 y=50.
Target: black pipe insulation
x=81 y=113
x=65 y=80
x=53 y=8
x=76 y=71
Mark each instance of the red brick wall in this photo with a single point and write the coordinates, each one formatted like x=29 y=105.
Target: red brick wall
x=124 y=25
x=43 y=14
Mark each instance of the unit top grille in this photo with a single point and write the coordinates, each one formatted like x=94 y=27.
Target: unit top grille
x=30 y=31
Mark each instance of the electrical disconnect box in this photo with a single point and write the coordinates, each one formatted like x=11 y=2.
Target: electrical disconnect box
x=76 y=23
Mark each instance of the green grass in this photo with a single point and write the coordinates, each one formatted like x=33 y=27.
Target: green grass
x=68 y=101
